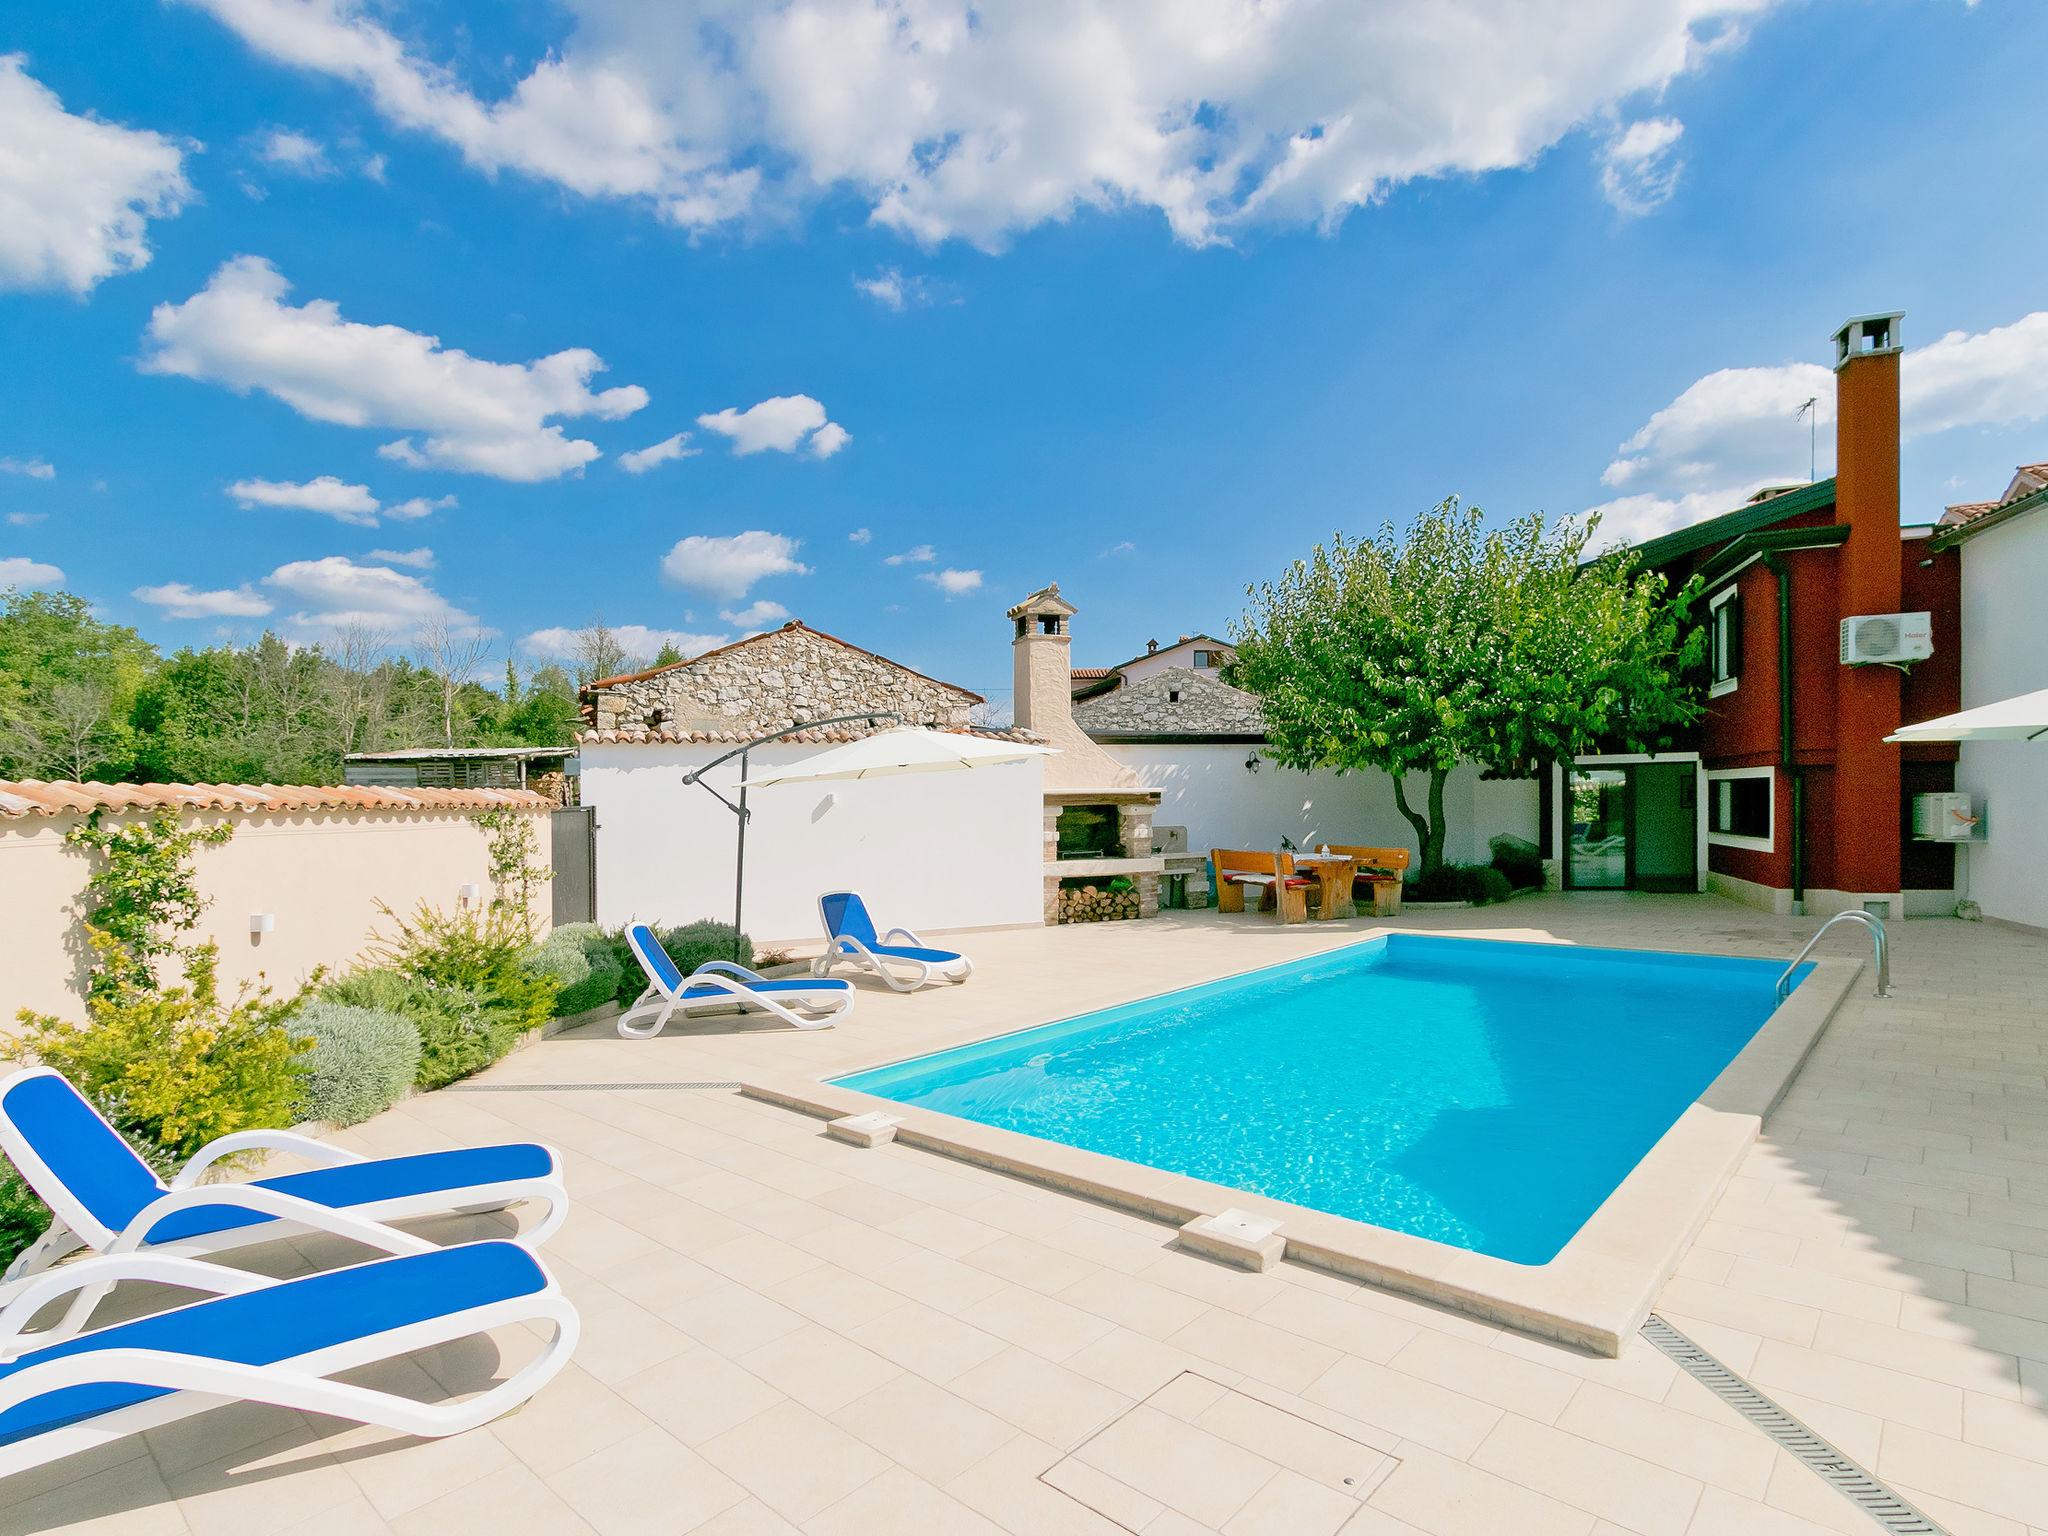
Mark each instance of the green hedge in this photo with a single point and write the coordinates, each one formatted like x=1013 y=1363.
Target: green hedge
x=689 y=945
x=1476 y=883
x=362 y=1062
x=584 y=963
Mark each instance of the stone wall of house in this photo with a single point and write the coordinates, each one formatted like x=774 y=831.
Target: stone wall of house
x=764 y=684
x=1179 y=701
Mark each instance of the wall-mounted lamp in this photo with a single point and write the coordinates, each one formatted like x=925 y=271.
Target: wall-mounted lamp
x=261 y=923
x=469 y=893
x=1251 y=762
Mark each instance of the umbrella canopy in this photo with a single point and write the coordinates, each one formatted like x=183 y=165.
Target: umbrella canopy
x=2020 y=719
x=906 y=749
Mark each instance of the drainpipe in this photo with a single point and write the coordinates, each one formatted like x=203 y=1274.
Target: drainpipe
x=1776 y=566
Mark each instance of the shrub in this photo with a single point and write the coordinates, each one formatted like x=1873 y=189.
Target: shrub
x=363 y=1060
x=477 y=951
x=1476 y=883
x=1518 y=859
x=23 y=1217
x=175 y=1068
x=584 y=966
x=461 y=1030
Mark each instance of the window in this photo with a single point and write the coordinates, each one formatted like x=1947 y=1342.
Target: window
x=1740 y=807
x=1725 y=642
x=1208 y=659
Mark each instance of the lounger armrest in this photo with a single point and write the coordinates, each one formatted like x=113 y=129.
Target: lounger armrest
x=105 y=1271
x=726 y=968
x=909 y=938
x=274 y=1203
x=320 y=1154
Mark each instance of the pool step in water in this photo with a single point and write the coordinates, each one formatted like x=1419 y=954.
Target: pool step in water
x=1235 y=1237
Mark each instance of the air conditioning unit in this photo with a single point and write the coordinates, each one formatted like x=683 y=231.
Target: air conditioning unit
x=1875 y=638
x=1946 y=818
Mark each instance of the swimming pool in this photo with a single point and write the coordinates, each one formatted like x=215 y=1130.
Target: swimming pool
x=1479 y=1092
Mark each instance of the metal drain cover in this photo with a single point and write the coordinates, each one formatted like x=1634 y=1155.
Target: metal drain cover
x=1845 y=1476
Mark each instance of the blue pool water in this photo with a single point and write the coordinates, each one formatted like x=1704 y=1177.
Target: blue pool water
x=1482 y=1093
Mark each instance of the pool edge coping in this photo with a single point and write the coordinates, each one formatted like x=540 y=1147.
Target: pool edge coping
x=1593 y=1295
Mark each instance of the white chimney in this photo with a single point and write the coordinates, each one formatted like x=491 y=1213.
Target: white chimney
x=1042 y=673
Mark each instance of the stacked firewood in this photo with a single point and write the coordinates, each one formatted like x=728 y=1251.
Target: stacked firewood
x=1096 y=904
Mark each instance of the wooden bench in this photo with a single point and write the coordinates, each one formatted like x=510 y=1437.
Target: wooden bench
x=1281 y=890
x=1386 y=887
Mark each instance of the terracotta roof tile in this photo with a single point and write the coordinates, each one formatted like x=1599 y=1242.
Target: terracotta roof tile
x=34 y=797
x=830 y=736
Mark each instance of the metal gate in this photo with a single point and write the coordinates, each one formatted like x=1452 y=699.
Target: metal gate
x=572 y=850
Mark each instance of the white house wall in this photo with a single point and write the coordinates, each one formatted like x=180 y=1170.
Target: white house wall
x=930 y=851
x=2005 y=571
x=1206 y=788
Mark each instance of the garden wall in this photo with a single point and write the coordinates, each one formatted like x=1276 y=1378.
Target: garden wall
x=317 y=859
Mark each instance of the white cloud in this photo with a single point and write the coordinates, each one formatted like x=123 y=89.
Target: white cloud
x=979 y=119
x=326 y=494
x=782 y=423
x=482 y=417
x=421 y=559
x=336 y=592
x=413 y=508
x=1639 y=168
x=896 y=290
x=640 y=460
x=758 y=614
x=951 y=582
x=76 y=193
x=1739 y=429
x=727 y=567
x=18 y=571
x=636 y=640
x=287 y=150
x=35 y=469
x=921 y=554
x=1121 y=547
x=860 y=536
x=179 y=601
x=25 y=519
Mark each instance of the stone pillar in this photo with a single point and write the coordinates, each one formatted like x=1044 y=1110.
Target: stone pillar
x=1134 y=830
x=1148 y=895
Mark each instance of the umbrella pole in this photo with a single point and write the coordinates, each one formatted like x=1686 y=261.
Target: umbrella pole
x=739 y=878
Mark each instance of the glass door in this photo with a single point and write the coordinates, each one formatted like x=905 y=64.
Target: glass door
x=1596 y=831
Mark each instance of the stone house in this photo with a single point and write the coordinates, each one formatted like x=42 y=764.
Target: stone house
x=767 y=682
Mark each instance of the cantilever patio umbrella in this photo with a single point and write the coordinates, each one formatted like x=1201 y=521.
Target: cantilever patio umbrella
x=2024 y=718
x=904 y=749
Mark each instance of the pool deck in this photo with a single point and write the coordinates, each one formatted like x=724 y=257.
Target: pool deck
x=787 y=1333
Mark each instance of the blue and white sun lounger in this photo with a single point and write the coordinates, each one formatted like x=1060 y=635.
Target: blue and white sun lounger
x=850 y=935
x=799 y=1001
x=106 y=1198
x=255 y=1339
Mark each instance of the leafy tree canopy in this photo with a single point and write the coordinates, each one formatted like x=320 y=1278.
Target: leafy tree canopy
x=1412 y=652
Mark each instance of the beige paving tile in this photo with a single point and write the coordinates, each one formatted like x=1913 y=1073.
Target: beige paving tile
x=1180 y=1465
x=1611 y=1483
x=1722 y=1513
x=933 y=1432
x=1141 y=1306
x=1046 y=1401
x=1893 y=1395
x=1257 y=1349
x=1447 y=1497
x=1042 y=1324
x=749 y=1517
x=821 y=1369
x=1527 y=1387
x=919 y=1338
x=1732 y=1456
x=698 y=1395
x=899 y=1501
x=127 y=1498
x=647 y=1485
x=397 y=1475
x=1007 y=1488
x=795 y=1462
x=261 y=1487
x=576 y=1416
x=1416 y=1410
x=1984 y=1479
x=1341 y=1464
x=1292 y=1505
x=513 y=1500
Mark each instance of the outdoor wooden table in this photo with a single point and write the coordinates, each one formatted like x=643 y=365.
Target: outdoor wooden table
x=1335 y=872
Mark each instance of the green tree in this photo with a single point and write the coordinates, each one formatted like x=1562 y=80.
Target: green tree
x=1411 y=653
x=68 y=682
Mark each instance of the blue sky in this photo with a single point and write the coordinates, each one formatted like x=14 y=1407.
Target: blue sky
x=1142 y=299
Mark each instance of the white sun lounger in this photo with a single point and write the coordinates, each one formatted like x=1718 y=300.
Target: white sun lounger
x=899 y=957
x=802 y=1002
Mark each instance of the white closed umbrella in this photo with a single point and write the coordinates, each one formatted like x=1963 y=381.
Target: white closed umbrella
x=905 y=749
x=2024 y=718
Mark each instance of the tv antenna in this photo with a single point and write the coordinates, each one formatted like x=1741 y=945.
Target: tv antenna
x=1809 y=409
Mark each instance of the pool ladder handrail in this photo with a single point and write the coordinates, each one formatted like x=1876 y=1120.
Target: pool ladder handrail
x=1878 y=943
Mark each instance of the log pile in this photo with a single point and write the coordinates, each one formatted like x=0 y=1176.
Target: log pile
x=1096 y=904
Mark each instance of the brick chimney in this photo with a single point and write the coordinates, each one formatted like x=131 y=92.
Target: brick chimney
x=1868 y=577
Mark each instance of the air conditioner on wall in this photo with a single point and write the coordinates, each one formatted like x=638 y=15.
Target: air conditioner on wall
x=1946 y=817
x=1887 y=638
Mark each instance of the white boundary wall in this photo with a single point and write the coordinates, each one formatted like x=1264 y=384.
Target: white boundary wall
x=940 y=851
x=2005 y=652
x=319 y=873
x=1205 y=787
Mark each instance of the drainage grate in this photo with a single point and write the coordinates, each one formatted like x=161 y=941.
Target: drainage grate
x=591 y=1087
x=1891 y=1512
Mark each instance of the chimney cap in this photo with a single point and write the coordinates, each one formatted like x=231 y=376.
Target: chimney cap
x=1868 y=336
x=1151 y=647
x=1046 y=599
